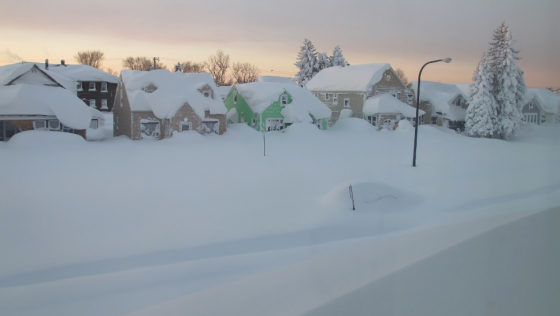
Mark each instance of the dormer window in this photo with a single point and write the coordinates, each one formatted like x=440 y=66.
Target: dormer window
x=79 y=86
x=92 y=86
x=531 y=104
x=284 y=99
x=104 y=87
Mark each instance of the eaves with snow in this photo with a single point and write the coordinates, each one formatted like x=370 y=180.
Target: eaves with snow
x=441 y=97
x=82 y=73
x=358 y=78
x=172 y=91
x=386 y=103
x=548 y=100
x=260 y=95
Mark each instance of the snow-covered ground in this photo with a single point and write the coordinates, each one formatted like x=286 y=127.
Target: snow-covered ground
x=206 y=225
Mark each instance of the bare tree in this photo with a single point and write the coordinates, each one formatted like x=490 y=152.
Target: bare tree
x=245 y=72
x=217 y=65
x=192 y=67
x=137 y=63
x=112 y=71
x=401 y=75
x=90 y=57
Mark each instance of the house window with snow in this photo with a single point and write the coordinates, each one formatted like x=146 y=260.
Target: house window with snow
x=104 y=87
x=398 y=95
x=209 y=127
x=54 y=125
x=79 y=86
x=346 y=102
x=186 y=126
x=150 y=129
x=434 y=120
x=92 y=103
x=92 y=86
x=531 y=105
x=335 y=98
x=94 y=124
x=327 y=96
x=274 y=124
x=543 y=118
x=104 y=104
x=284 y=99
x=40 y=124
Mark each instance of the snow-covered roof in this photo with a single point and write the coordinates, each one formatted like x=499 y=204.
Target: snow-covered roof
x=386 y=103
x=260 y=95
x=10 y=72
x=549 y=100
x=223 y=91
x=174 y=89
x=464 y=87
x=441 y=96
x=276 y=79
x=82 y=73
x=31 y=99
x=358 y=78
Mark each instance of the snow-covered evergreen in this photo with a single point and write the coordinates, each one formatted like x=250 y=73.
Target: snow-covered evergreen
x=323 y=61
x=337 y=59
x=508 y=84
x=306 y=62
x=481 y=113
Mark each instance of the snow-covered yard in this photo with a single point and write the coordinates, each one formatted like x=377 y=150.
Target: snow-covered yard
x=205 y=225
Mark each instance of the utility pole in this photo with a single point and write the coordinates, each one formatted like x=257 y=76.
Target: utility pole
x=155 y=58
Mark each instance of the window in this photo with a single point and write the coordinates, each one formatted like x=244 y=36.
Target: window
x=103 y=87
x=346 y=102
x=531 y=105
x=54 y=125
x=186 y=126
x=94 y=124
x=92 y=86
x=150 y=129
x=7 y=130
x=543 y=118
x=398 y=95
x=335 y=98
x=284 y=99
x=40 y=124
x=253 y=122
x=274 y=125
x=434 y=120
x=235 y=97
x=92 y=103
x=207 y=94
x=104 y=104
x=209 y=127
x=79 y=86
x=328 y=96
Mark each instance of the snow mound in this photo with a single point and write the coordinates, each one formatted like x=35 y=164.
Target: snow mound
x=370 y=196
x=303 y=127
x=45 y=139
x=404 y=125
x=353 y=124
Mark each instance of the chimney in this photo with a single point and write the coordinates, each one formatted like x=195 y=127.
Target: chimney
x=46 y=64
x=62 y=62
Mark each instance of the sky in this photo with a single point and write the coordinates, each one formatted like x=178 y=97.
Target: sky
x=269 y=34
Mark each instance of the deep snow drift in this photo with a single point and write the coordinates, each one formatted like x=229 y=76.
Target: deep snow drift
x=206 y=225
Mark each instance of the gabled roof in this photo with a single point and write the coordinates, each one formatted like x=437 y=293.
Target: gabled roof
x=386 y=103
x=548 y=100
x=32 y=99
x=260 y=95
x=358 y=78
x=276 y=79
x=441 y=96
x=174 y=89
x=82 y=73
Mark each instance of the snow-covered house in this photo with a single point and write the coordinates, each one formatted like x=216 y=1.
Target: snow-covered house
x=345 y=89
x=32 y=98
x=94 y=86
x=154 y=104
x=384 y=110
x=276 y=79
x=542 y=106
x=275 y=104
x=445 y=104
x=223 y=91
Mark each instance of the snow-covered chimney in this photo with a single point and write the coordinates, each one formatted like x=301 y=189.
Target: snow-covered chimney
x=46 y=64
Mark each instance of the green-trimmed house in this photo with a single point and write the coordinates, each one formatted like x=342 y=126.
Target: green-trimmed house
x=274 y=106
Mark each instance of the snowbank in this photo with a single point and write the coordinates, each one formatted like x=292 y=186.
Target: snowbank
x=386 y=103
x=353 y=125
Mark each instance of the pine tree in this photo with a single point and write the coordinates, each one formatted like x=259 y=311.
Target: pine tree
x=481 y=112
x=306 y=62
x=508 y=84
x=337 y=59
x=323 y=61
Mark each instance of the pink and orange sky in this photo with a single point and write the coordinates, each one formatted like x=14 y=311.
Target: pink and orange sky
x=404 y=33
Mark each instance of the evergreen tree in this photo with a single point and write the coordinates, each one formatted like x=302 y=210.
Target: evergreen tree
x=481 y=112
x=337 y=59
x=323 y=61
x=508 y=84
x=306 y=62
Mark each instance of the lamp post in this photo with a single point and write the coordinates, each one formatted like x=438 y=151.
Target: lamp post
x=447 y=60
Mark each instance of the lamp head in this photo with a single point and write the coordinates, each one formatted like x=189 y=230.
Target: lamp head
x=446 y=59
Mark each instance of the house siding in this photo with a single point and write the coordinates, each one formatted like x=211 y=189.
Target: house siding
x=98 y=95
x=122 y=116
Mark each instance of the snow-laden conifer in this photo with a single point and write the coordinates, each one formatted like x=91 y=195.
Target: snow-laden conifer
x=508 y=82
x=481 y=113
x=337 y=59
x=306 y=62
x=323 y=61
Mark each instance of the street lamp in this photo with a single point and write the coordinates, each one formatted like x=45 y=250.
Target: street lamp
x=447 y=60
